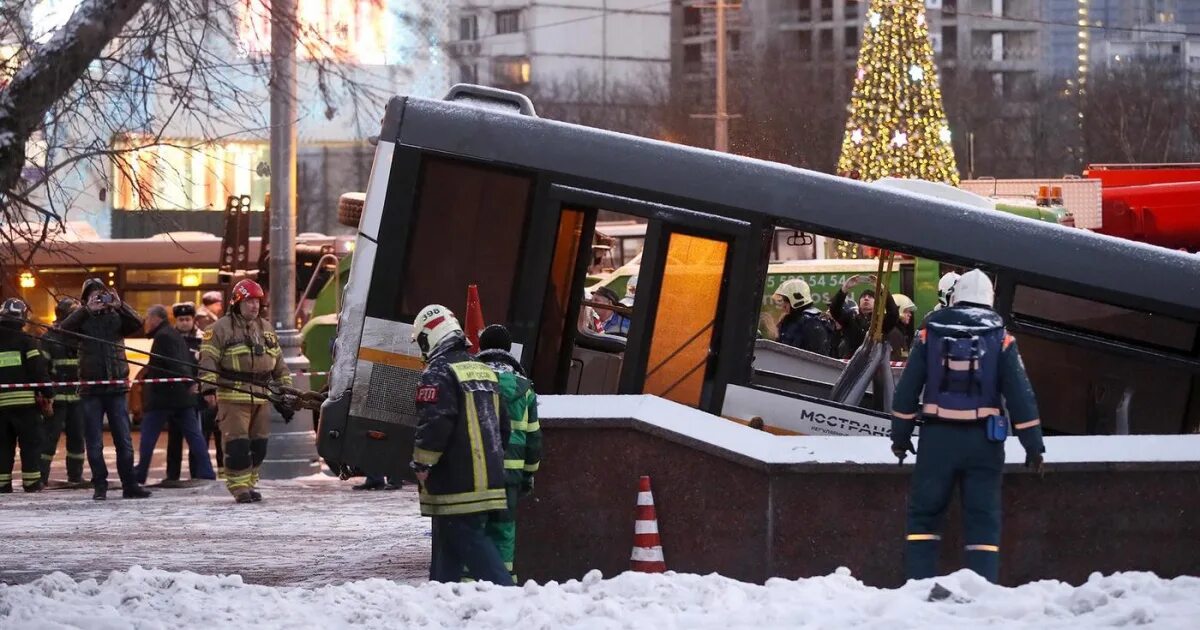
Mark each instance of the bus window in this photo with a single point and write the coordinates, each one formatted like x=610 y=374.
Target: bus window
x=557 y=304
x=467 y=230
x=1083 y=390
x=1105 y=319
x=683 y=325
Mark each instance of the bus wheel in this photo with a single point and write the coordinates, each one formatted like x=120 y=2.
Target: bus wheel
x=350 y=207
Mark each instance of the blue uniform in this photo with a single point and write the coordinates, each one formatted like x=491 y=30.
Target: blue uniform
x=963 y=369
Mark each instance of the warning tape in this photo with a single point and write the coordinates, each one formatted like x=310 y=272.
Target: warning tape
x=116 y=381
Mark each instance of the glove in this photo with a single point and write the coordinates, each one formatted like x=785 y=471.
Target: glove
x=526 y=488
x=45 y=406
x=285 y=411
x=901 y=449
x=1036 y=461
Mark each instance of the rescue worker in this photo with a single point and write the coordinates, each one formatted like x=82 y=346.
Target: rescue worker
x=963 y=370
x=801 y=325
x=212 y=306
x=20 y=416
x=900 y=337
x=173 y=402
x=106 y=321
x=946 y=289
x=198 y=461
x=523 y=455
x=241 y=351
x=62 y=350
x=458 y=455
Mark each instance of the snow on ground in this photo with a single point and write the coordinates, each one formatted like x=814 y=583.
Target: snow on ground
x=310 y=531
x=141 y=598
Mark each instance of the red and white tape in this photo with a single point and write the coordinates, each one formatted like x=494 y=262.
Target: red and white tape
x=115 y=381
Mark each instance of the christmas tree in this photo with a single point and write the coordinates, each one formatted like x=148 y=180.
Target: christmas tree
x=897 y=125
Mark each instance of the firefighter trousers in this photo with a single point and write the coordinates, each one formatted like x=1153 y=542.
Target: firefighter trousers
x=501 y=529
x=460 y=541
x=951 y=456
x=68 y=417
x=245 y=428
x=20 y=426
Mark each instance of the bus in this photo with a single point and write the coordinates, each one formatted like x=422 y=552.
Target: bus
x=476 y=189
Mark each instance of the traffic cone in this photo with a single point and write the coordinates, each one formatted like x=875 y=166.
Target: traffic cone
x=474 y=319
x=647 y=547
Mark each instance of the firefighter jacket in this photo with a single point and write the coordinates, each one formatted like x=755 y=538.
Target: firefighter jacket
x=62 y=351
x=965 y=367
x=805 y=329
x=855 y=324
x=170 y=357
x=462 y=428
x=242 y=354
x=102 y=358
x=523 y=455
x=21 y=361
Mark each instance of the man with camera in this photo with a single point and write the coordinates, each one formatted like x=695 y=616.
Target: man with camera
x=103 y=324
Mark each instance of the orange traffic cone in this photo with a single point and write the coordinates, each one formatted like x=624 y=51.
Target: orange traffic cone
x=647 y=547
x=474 y=320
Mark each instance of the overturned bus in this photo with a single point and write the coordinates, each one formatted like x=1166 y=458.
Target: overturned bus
x=476 y=189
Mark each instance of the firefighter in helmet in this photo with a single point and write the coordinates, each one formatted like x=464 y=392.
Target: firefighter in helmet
x=20 y=418
x=62 y=350
x=241 y=361
x=458 y=456
x=964 y=371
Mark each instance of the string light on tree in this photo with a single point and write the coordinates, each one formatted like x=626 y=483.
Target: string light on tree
x=897 y=124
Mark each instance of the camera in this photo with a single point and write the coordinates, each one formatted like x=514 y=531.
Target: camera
x=107 y=299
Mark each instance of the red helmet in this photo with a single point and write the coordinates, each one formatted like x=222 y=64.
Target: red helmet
x=245 y=290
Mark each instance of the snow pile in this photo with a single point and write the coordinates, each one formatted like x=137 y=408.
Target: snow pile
x=158 y=599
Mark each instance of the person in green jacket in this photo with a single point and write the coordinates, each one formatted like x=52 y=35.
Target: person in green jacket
x=523 y=452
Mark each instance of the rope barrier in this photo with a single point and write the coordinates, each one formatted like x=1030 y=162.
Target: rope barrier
x=115 y=381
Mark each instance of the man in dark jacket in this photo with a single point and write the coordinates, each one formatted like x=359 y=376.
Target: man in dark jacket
x=855 y=325
x=62 y=350
x=458 y=456
x=185 y=322
x=801 y=325
x=20 y=418
x=105 y=322
x=175 y=403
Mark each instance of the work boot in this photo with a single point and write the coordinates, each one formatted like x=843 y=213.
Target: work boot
x=371 y=484
x=36 y=486
x=100 y=493
x=255 y=495
x=394 y=485
x=243 y=497
x=136 y=492
x=171 y=483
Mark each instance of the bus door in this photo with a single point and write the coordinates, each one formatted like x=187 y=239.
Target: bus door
x=677 y=323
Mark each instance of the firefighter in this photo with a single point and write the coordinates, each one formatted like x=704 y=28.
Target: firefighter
x=20 y=416
x=968 y=369
x=458 y=456
x=62 y=351
x=523 y=454
x=801 y=325
x=240 y=361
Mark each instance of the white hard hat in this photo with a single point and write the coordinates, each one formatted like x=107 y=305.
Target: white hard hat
x=796 y=292
x=433 y=325
x=946 y=287
x=974 y=287
x=903 y=302
x=631 y=286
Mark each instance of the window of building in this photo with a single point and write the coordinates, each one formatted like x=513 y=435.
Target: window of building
x=511 y=71
x=353 y=32
x=692 y=53
x=852 y=9
x=468 y=73
x=468 y=28
x=851 y=36
x=201 y=177
x=735 y=41
x=470 y=219
x=825 y=39
x=508 y=21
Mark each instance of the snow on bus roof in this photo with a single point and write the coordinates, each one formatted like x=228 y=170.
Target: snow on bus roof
x=691 y=425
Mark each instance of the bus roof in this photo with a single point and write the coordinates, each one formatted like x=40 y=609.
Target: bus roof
x=762 y=192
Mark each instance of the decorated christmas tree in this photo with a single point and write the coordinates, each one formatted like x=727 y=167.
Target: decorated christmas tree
x=897 y=125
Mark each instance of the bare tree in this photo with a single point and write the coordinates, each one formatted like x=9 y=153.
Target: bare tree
x=121 y=76
x=1135 y=111
x=640 y=106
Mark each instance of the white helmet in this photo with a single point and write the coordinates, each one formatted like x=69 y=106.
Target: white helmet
x=946 y=288
x=631 y=286
x=434 y=324
x=974 y=287
x=796 y=292
x=903 y=302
